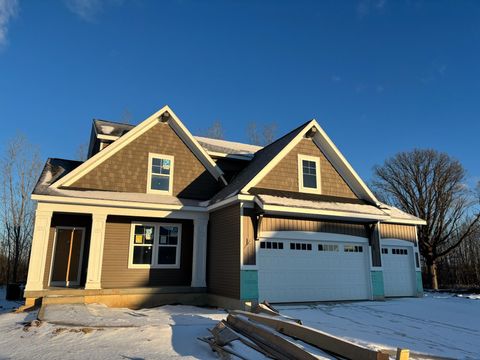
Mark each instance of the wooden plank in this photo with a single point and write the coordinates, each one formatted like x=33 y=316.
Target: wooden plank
x=402 y=354
x=289 y=349
x=316 y=338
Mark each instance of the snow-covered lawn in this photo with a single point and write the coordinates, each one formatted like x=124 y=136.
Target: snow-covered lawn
x=440 y=324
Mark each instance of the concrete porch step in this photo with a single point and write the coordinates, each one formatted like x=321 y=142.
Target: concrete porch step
x=63 y=299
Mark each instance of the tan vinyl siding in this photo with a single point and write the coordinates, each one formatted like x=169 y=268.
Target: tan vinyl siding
x=248 y=242
x=284 y=176
x=223 y=256
x=291 y=224
x=115 y=271
x=397 y=231
x=67 y=220
x=127 y=170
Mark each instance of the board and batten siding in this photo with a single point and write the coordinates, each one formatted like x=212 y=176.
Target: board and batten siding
x=127 y=169
x=284 y=176
x=223 y=254
x=115 y=271
x=398 y=231
x=69 y=220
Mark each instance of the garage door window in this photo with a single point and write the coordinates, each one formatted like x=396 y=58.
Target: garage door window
x=399 y=251
x=300 y=246
x=384 y=251
x=353 y=248
x=327 y=247
x=271 y=245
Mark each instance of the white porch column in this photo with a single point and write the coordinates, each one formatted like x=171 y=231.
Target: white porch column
x=38 y=253
x=199 y=264
x=95 y=256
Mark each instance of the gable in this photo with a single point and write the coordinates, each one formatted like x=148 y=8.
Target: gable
x=127 y=169
x=284 y=175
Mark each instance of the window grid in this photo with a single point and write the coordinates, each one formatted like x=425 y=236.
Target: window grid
x=300 y=246
x=271 y=245
x=328 y=247
x=353 y=248
x=396 y=251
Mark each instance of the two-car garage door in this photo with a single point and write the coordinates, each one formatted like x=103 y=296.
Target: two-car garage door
x=301 y=271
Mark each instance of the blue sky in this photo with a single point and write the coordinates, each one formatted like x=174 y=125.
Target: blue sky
x=380 y=76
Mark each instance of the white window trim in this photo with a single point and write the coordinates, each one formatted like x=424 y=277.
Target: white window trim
x=152 y=156
x=301 y=188
x=155 y=245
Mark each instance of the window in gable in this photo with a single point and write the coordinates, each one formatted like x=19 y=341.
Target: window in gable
x=309 y=174
x=160 y=173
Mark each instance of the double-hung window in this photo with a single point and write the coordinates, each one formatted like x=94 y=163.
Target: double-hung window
x=309 y=174
x=160 y=173
x=155 y=245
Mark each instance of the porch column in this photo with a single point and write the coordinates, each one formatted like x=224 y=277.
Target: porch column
x=199 y=263
x=38 y=252
x=95 y=256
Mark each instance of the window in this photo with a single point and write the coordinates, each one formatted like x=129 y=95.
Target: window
x=155 y=246
x=309 y=174
x=417 y=261
x=160 y=173
x=384 y=251
x=399 y=251
x=271 y=245
x=300 y=246
x=352 y=248
x=327 y=247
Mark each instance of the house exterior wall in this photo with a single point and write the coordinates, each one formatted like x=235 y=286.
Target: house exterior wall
x=67 y=220
x=115 y=271
x=248 y=241
x=223 y=253
x=398 y=231
x=127 y=170
x=284 y=176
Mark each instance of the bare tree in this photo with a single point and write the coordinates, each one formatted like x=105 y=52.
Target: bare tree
x=126 y=117
x=267 y=134
x=430 y=185
x=19 y=168
x=215 y=131
x=81 y=153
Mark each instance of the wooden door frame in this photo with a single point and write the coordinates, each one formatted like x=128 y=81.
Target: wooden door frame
x=67 y=283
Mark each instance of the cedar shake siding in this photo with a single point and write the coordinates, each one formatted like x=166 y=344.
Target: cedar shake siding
x=127 y=169
x=223 y=255
x=68 y=220
x=115 y=271
x=284 y=176
x=397 y=231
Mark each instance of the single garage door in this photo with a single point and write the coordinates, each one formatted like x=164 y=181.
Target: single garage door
x=303 y=271
x=398 y=270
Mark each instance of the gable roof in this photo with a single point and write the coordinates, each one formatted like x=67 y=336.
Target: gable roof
x=164 y=114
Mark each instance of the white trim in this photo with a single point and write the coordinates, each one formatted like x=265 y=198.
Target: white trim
x=314 y=236
x=152 y=156
x=106 y=137
x=392 y=220
x=95 y=254
x=67 y=283
x=216 y=154
x=301 y=186
x=228 y=201
x=155 y=245
x=134 y=133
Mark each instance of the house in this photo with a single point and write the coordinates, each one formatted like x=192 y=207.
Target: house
x=156 y=215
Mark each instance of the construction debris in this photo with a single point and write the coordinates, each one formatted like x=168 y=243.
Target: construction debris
x=267 y=332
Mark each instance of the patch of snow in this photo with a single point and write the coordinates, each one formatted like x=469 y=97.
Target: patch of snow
x=107 y=129
x=6 y=305
x=470 y=296
x=232 y=146
x=47 y=178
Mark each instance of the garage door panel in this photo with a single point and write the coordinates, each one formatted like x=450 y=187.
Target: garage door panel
x=312 y=275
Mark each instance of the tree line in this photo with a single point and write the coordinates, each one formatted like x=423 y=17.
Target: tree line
x=423 y=182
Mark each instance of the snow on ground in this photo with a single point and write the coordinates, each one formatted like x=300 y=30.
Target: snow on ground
x=5 y=305
x=437 y=324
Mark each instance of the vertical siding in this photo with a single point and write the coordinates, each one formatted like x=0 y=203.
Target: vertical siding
x=223 y=259
x=68 y=220
x=115 y=271
x=375 y=244
x=284 y=176
x=249 y=257
x=127 y=170
x=398 y=231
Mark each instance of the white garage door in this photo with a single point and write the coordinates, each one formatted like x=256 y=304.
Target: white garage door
x=398 y=270
x=302 y=271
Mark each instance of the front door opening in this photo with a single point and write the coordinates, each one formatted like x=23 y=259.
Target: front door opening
x=67 y=256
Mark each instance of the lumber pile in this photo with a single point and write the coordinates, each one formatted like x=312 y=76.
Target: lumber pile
x=265 y=332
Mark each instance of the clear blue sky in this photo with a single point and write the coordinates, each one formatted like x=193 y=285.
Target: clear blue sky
x=380 y=76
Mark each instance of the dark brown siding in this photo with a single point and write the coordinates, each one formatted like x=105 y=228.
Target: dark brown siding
x=289 y=224
x=223 y=259
x=397 y=231
x=284 y=176
x=115 y=271
x=248 y=242
x=374 y=241
x=68 y=220
x=127 y=170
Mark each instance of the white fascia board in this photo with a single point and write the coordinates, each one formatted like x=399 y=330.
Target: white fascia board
x=231 y=200
x=343 y=167
x=261 y=174
x=230 y=156
x=114 y=203
x=298 y=211
x=138 y=130
x=405 y=221
x=107 y=137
